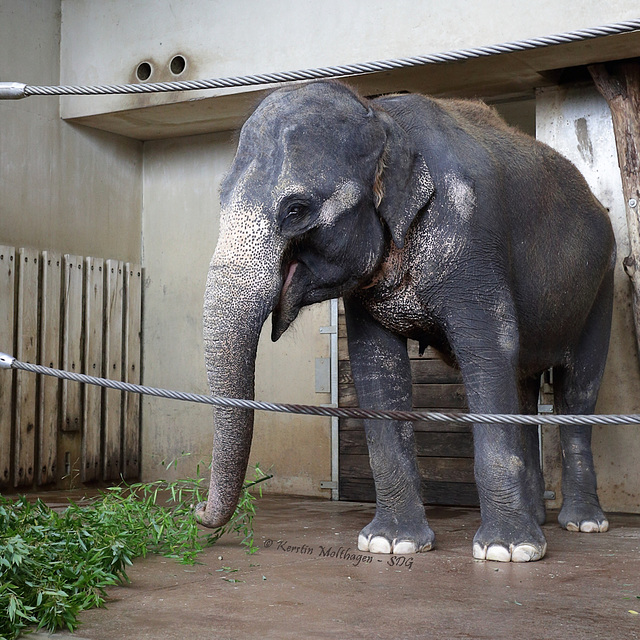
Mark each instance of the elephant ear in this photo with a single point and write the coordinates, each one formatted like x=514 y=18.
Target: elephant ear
x=403 y=185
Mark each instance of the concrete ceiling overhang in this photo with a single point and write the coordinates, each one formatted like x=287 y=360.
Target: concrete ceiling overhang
x=501 y=76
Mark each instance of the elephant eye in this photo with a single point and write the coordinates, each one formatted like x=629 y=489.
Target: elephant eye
x=296 y=216
x=295 y=210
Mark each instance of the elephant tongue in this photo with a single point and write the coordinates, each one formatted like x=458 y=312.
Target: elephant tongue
x=291 y=269
x=284 y=313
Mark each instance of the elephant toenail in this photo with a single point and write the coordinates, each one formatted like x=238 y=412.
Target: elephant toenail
x=498 y=553
x=363 y=542
x=527 y=553
x=404 y=547
x=379 y=545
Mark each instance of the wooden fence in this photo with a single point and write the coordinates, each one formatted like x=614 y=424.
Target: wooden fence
x=83 y=315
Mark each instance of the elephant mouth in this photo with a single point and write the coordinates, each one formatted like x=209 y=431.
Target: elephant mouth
x=301 y=286
x=290 y=299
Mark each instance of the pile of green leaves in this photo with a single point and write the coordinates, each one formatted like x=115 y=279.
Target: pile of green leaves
x=55 y=564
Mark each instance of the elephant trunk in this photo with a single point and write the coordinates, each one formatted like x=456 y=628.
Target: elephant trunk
x=238 y=298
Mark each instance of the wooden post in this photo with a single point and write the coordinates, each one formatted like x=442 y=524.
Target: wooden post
x=619 y=84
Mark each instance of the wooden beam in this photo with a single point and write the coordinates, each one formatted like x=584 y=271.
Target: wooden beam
x=7 y=344
x=619 y=84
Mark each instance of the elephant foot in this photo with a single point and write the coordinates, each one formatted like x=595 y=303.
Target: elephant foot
x=377 y=537
x=525 y=543
x=582 y=516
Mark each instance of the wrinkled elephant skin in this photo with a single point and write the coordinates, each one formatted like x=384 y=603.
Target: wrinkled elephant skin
x=437 y=222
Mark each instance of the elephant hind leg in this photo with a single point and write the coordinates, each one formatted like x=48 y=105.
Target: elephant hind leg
x=529 y=391
x=581 y=509
x=576 y=391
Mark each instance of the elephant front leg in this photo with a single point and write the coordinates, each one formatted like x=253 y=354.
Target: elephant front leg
x=510 y=530
x=510 y=509
x=382 y=376
x=400 y=525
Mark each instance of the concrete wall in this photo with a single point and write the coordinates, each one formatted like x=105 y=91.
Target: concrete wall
x=62 y=187
x=107 y=40
x=576 y=121
x=180 y=228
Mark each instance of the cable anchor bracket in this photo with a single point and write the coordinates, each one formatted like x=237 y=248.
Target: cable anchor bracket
x=6 y=361
x=12 y=90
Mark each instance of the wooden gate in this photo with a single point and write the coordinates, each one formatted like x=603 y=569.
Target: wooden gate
x=445 y=450
x=83 y=315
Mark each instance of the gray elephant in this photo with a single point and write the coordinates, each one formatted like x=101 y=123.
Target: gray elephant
x=438 y=222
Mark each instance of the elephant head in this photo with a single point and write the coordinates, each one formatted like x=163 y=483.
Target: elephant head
x=321 y=184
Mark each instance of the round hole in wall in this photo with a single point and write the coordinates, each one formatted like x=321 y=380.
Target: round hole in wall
x=143 y=71
x=177 y=65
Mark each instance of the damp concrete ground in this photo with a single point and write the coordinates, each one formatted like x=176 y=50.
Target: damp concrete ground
x=308 y=580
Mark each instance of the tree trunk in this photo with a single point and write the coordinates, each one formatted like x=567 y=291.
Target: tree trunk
x=619 y=84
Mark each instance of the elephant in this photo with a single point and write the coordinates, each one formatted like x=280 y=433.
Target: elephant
x=435 y=221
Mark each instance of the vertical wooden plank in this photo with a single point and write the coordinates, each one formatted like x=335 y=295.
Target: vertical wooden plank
x=26 y=351
x=69 y=435
x=72 y=341
x=73 y=267
x=7 y=345
x=92 y=418
x=132 y=364
x=49 y=392
x=112 y=407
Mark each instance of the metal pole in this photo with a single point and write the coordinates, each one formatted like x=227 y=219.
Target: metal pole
x=335 y=421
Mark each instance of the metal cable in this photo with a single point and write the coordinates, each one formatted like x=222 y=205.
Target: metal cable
x=7 y=362
x=16 y=90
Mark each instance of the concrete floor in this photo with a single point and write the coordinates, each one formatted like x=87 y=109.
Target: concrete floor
x=309 y=581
